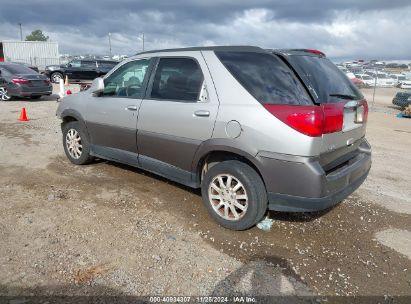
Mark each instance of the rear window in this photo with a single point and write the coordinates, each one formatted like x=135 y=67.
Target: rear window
x=18 y=69
x=265 y=77
x=326 y=83
x=107 y=64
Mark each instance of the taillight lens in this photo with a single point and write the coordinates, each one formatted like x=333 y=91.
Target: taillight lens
x=313 y=121
x=46 y=81
x=20 y=81
x=365 y=104
x=333 y=117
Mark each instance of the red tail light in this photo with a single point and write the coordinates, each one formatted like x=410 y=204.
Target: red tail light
x=317 y=52
x=313 y=121
x=365 y=104
x=47 y=82
x=20 y=81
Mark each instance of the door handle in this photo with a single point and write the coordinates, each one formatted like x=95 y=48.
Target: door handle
x=131 y=108
x=202 y=113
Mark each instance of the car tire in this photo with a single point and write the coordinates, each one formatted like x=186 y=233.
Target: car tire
x=4 y=95
x=76 y=143
x=55 y=77
x=228 y=185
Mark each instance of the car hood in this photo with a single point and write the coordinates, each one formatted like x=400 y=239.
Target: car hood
x=53 y=67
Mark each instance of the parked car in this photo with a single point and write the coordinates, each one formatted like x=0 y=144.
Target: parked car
x=366 y=79
x=383 y=80
x=397 y=78
x=405 y=84
x=402 y=99
x=237 y=122
x=79 y=70
x=356 y=81
x=17 y=80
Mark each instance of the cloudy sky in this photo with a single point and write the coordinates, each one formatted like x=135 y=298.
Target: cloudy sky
x=341 y=28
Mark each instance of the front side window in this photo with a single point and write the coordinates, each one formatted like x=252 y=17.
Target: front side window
x=75 y=63
x=177 y=79
x=127 y=80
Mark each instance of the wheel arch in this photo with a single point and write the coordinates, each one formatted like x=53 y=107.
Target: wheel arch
x=69 y=115
x=215 y=153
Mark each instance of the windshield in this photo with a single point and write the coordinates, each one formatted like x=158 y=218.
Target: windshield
x=326 y=83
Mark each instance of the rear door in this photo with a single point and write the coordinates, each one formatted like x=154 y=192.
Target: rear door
x=328 y=85
x=177 y=115
x=112 y=117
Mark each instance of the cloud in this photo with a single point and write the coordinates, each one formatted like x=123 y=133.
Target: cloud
x=343 y=29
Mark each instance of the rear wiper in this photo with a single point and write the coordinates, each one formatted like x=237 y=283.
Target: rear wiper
x=344 y=96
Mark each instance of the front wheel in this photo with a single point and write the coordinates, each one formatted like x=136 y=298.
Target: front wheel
x=76 y=144
x=4 y=96
x=234 y=195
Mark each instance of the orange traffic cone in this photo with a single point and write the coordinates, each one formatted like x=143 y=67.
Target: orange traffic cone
x=23 y=115
x=66 y=82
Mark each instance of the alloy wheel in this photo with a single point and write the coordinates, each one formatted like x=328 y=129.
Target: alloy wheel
x=4 y=95
x=228 y=197
x=73 y=143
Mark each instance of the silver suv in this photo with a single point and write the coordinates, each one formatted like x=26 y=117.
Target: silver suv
x=254 y=129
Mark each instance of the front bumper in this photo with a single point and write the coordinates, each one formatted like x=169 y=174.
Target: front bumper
x=304 y=184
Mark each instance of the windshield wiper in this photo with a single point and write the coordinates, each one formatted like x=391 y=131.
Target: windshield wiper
x=344 y=96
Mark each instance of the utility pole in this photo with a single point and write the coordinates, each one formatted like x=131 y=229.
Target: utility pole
x=143 y=42
x=21 y=32
x=141 y=37
x=109 y=42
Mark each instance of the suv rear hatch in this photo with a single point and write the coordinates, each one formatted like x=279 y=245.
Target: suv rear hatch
x=310 y=94
x=331 y=89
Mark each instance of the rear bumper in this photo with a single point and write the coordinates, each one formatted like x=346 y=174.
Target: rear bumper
x=290 y=203
x=21 y=91
x=307 y=184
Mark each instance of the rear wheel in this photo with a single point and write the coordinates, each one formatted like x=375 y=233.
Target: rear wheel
x=4 y=96
x=76 y=144
x=234 y=195
x=55 y=77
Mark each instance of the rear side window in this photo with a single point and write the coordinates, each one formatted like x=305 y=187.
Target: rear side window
x=325 y=81
x=88 y=64
x=177 y=79
x=265 y=77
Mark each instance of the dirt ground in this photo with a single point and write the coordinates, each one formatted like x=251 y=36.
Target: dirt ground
x=109 y=229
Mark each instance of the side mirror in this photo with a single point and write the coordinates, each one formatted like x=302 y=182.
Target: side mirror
x=97 y=86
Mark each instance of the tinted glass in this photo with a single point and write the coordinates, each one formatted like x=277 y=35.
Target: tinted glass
x=177 y=79
x=107 y=64
x=324 y=79
x=265 y=77
x=18 y=69
x=88 y=64
x=75 y=63
x=127 y=80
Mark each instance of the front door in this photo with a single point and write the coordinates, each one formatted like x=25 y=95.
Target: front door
x=112 y=117
x=177 y=115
